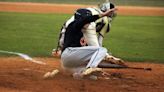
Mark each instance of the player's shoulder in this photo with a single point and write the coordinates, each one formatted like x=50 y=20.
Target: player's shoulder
x=94 y=10
x=69 y=21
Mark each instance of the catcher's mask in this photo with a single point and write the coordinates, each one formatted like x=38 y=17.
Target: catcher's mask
x=82 y=13
x=107 y=5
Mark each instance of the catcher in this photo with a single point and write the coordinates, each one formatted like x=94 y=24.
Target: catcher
x=91 y=38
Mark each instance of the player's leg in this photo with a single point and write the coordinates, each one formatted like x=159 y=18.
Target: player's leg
x=74 y=57
x=89 y=56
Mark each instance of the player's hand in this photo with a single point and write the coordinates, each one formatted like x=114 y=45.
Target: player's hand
x=56 y=53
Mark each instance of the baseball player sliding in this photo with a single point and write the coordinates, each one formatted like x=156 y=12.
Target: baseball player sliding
x=80 y=46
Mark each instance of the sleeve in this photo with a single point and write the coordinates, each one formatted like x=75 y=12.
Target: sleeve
x=81 y=22
x=60 y=39
x=90 y=35
x=106 y=27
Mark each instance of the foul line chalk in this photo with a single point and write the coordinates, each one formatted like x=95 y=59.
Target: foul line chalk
x=24 y=56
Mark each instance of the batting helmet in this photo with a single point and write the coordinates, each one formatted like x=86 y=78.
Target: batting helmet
x=82 y=13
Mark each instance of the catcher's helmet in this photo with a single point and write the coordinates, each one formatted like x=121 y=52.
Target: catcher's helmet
x=82 y=13
x=105 y=6
x=108 y=5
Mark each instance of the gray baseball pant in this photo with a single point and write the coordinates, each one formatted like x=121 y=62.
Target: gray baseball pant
x=87 y=56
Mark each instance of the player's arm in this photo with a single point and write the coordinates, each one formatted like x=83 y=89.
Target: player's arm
x=108 y=12
x=81 y=22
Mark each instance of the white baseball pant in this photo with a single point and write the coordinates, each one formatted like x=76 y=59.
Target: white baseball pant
x=82 y=57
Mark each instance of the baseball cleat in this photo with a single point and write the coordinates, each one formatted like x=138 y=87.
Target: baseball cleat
x=114 y=60
x=77 y=76
x=91 y=71
x=47 y=75
x=50 y=75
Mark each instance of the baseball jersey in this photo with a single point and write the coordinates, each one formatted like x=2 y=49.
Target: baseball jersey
x=73 y=32
x=101 y=26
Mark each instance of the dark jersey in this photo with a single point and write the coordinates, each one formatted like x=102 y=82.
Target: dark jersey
x=73 y=32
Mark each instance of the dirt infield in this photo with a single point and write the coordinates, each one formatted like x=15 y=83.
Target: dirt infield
x=69 y=9
x=18 y=75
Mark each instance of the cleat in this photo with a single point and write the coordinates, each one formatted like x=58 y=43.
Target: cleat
x=92 y=71
x=114 y=60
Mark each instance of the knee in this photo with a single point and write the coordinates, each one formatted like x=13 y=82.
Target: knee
x=104 y=50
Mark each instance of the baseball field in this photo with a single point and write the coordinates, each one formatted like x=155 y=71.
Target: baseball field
x=29 y=32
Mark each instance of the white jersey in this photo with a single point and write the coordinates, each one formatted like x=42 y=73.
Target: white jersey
x=101 y=26
x=89 y=32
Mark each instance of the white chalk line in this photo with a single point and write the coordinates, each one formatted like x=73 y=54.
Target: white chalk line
x=24 y=56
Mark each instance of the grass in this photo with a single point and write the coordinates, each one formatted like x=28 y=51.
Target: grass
x=159 y=3
x=137 y=38
x=133 y=38
x=34 y=34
